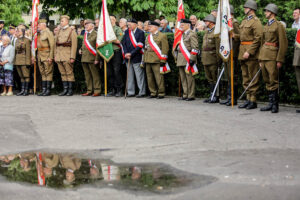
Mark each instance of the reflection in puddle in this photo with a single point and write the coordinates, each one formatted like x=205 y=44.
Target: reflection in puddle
x=69 y=170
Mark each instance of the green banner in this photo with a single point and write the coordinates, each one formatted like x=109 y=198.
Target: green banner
x=106 y=51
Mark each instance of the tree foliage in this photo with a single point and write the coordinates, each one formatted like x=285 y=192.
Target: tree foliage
x=11 y=11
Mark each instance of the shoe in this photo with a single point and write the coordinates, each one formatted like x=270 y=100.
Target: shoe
x=22 y=89
x=182 y=98
x=70 y=89
x=65 y=91
x=111 y=93
x=275 y=107
x=130 y=95
x=252 y=105
x=3 y=94
x=86 y=94
x=26 y=89
x=10 y=94
x=190 y=99
x=151 y=97
x=140 y=96
x=48 y=90
x=215 y=100
x=160 y=97
x=206 y=101
x=245 y=104
x=96 y=95
x=44 y=85
x=270 y=105
x=119 y=93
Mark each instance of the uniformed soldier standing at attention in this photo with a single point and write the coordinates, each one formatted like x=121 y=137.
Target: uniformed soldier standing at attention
x=156 y=51
x=209 y=56
x=235 y=46
x=271 y=56
x=65 y=54
x=23 y=59
x=250 y=36
x=88 y=51
x=190 y=40
x=45 y=55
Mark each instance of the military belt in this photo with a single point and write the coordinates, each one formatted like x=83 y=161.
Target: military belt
x=43 y=49
x=271 y=44
x=67 y=44
x=247 y=43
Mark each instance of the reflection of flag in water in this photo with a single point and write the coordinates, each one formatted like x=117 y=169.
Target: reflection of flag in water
x=178 y=32
x=298 y=38
x=110 y=172
x=224 y=26
x=34 y=20
x=39 y=168
x=106 y=35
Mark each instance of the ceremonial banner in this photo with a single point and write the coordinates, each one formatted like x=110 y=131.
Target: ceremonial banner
x=178 y=31
x=223 y=26
x=106 y=35
x=35 y=19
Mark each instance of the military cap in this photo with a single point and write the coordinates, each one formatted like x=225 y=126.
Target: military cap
x=210 y=18
x=42 y=21
x=251 y=4
x=2 y=21
x=153 y=23
x=89 y=21
x=12 y=26
x=272 y=8
x=132 y=21
x=185 y=21
x=65 y=16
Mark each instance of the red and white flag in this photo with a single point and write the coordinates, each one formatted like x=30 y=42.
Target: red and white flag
x=34 y=24
x=223 y=26
x=178 y=31
x=39 y=168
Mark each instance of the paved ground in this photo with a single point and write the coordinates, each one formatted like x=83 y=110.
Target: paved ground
x=254 y=155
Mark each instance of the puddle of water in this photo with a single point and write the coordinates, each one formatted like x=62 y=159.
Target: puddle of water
x=71 y=170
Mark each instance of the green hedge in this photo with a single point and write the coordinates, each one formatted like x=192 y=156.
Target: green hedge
x=288 y=84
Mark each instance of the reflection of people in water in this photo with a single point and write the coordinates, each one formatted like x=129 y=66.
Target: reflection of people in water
x=26 y=159
x=110 y=172
x=71 y=164
x=94 y=169
x=50 y=161
x=7 y=159
x=136 y=173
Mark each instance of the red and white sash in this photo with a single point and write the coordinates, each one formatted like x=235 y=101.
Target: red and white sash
x=134 y=42
x=39 y=168
x=187 y=56
x=298 y=38
x=88 y=45
x=166 y=68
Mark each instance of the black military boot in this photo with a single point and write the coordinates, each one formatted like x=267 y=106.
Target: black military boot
x=228 y=100
x=119 y=93
x=26 y=89
x=235 y=96
x=65 y=91
x=275 y=107
x=211 y=88
x=48 y=89
x=252 y=105
x=270 y=105
x=22 y=89
x=111 y=93
x=245 y=104
x=44 y=87
x=70 y=90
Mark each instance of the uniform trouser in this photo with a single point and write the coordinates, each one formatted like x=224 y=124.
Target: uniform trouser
x=66 y=71
x=114 y=75
x=235 y=71
x=297 y=69
x=24 y=73
x=188 y=83
x=270 y=74
x=211 y=73
x=92 y=77
x=249 y=69
x=46 y=70
x=156 y=82
x=137 y=72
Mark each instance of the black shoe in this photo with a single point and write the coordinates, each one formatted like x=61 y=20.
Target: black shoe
x=70 y=89
x=245 y=104
x=151 y=97
x=160 y=97
x=22 y=89
x=270 y=105
x=182 y=98
x=131 y=95
x=26 y=89
x=226 y=101
x=297 y=111
x=111 y=93
x=234 y=103
x=206 y=100
x=252 y=105
x=140 y=96
x=190 y=99
x=65 y=91
x=44 y=86
x=48 y=90
x=119 y=93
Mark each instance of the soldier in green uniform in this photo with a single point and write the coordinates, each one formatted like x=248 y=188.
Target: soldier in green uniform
x=23 y=59
x=88 y=51
x=250 y=37
x=209 y=56
x=190 y=40
x=155 y=56
x=45 y=47
x=271 y=56
x=235 y=46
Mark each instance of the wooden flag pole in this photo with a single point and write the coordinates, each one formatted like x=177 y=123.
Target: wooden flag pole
x=232 y=74
x=105 y=78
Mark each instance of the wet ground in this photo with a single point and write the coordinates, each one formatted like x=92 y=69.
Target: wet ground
x=209 y=151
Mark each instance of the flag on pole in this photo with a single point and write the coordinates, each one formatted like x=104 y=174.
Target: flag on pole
x=178 y=32
x=106 y=35
x=34 y=24
x=223 y=26
x=39 y=168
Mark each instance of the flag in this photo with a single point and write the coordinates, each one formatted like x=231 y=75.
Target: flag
x=39 y=168
x=298 y=38
x=106 y=35
x=223 y=26
x=178 y=31
x=34 y=24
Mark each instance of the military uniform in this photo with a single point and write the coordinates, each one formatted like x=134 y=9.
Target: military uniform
x=91 y=71
x=65 y=49
x=153 y=62
x=23 y=63
x=190 y=40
